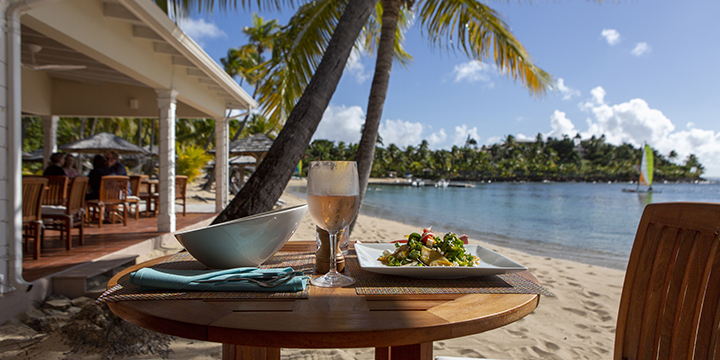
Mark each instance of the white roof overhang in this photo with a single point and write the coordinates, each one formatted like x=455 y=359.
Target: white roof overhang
x=130 y=49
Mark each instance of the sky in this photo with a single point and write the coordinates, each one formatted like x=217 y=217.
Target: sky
x=637 y=71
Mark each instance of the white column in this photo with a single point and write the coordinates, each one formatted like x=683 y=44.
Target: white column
x=9 y=173
x=10 y=151
x=221 y=163
x=167 y=104
x=50 y=125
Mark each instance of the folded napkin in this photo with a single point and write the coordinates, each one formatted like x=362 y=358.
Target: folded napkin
x=192 y=280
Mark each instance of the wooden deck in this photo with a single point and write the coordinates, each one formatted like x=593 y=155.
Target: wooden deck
x=97 y=243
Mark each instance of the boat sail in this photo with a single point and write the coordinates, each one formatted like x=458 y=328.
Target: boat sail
x=646 y=171
x=646 y=167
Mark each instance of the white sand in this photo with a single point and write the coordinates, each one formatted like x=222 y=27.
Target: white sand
x=579 y=323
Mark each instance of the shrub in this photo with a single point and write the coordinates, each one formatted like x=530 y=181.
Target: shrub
x=190 y=161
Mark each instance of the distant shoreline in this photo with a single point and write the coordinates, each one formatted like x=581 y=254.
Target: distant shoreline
x=431 y=182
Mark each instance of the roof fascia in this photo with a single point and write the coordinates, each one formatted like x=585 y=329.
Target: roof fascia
x=151 y=15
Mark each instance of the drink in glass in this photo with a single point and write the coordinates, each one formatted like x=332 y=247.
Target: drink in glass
x=333 y=199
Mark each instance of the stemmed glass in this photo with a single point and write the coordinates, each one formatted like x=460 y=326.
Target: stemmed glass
x=333 y=198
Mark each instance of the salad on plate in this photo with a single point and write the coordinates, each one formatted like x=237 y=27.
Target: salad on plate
x=427 y=249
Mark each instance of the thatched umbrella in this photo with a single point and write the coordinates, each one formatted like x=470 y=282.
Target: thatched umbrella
x=103 y=142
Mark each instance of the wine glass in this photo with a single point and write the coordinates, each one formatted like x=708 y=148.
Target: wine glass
x=333 y=198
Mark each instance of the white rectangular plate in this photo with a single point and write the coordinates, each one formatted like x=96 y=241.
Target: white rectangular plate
x=491 y=263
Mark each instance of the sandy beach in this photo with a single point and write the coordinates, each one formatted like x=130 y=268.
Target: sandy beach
x=578 y=323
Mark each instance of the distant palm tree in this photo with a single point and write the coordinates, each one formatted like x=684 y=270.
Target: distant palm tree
x=246 y=61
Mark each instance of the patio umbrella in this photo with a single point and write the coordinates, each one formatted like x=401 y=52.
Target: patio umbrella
x=102 y=142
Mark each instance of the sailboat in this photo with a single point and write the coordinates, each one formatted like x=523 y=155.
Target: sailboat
x=646 y=173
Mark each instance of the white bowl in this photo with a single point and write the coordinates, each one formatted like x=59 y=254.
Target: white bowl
x=244 y=242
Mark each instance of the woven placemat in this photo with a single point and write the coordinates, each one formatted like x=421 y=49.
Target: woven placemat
x=125 y=291
x=369 y=283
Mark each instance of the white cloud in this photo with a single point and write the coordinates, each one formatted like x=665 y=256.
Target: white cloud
x=341 y=123
x=437 y=139
x=636 y=122
x=612 y=36
x=356 y=68
x=561 y=125
x=199 y=29
x=633 y=121
x=474 y=71
x=641 y=48
x=493 y=140
x=462 y=133
x=401 y=133
x=567 y=93
x=690 y=125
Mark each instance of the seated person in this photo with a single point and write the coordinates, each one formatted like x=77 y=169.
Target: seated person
x=69 y=167
x=113 y=159
x=100 y=169
x=55 y=167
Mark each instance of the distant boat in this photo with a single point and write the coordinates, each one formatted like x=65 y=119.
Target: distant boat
x=418 y=183
x=646 y=173
x=442 y=183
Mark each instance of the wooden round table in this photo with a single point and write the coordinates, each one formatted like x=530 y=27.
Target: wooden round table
x=397 y=326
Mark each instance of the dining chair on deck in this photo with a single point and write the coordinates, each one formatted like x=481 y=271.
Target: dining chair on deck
x=113 y=193
x=181 y=189
x=134 y=199
x=56 y=194
x=670 y=302
x=66 y=218
x=33 y=193
x=147 y=193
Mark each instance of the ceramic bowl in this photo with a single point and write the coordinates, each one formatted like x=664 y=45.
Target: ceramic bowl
x=244 y=242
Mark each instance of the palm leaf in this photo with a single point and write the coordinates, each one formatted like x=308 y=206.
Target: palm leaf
x=479 y=32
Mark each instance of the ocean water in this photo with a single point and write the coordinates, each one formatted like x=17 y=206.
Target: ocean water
x=593 y=223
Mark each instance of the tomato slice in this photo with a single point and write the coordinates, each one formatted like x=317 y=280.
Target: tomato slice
x=426 y=236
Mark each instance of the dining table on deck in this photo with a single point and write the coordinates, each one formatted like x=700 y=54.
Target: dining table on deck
x=397 y=325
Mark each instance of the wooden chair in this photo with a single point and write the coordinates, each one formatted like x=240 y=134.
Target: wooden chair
x=56 y=190
x=33 y=193
x=670 y=303
x=181 y=189
x=71 y=216
x=148 y=194
x=113 y=193
x=133 y=199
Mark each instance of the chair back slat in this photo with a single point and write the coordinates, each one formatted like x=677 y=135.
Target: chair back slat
x=57 y=190
x=33 y=193
x=135 y=181
x=113 y=188
x=76 y=196
x=143 y=185
x=180 y=186
x=670 y=299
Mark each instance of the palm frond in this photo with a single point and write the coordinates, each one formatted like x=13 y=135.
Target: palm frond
x=178 y=8
x=479 y=32
x=297 y=52
x=372 y=31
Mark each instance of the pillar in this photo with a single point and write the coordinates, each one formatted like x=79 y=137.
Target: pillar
x=167 y=103
x=50 y=125
x=222 y=161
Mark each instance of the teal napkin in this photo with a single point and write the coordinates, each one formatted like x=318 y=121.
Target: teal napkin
x=188 y=280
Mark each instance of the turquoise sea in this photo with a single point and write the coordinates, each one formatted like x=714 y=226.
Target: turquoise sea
x=593 y=223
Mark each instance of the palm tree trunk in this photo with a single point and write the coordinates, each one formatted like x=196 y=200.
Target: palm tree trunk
x=378 y=92
x=269 y=180
x=139 y=132
x=241 y=128
x=81 y=135
x=94 y=126
x=247 y=116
